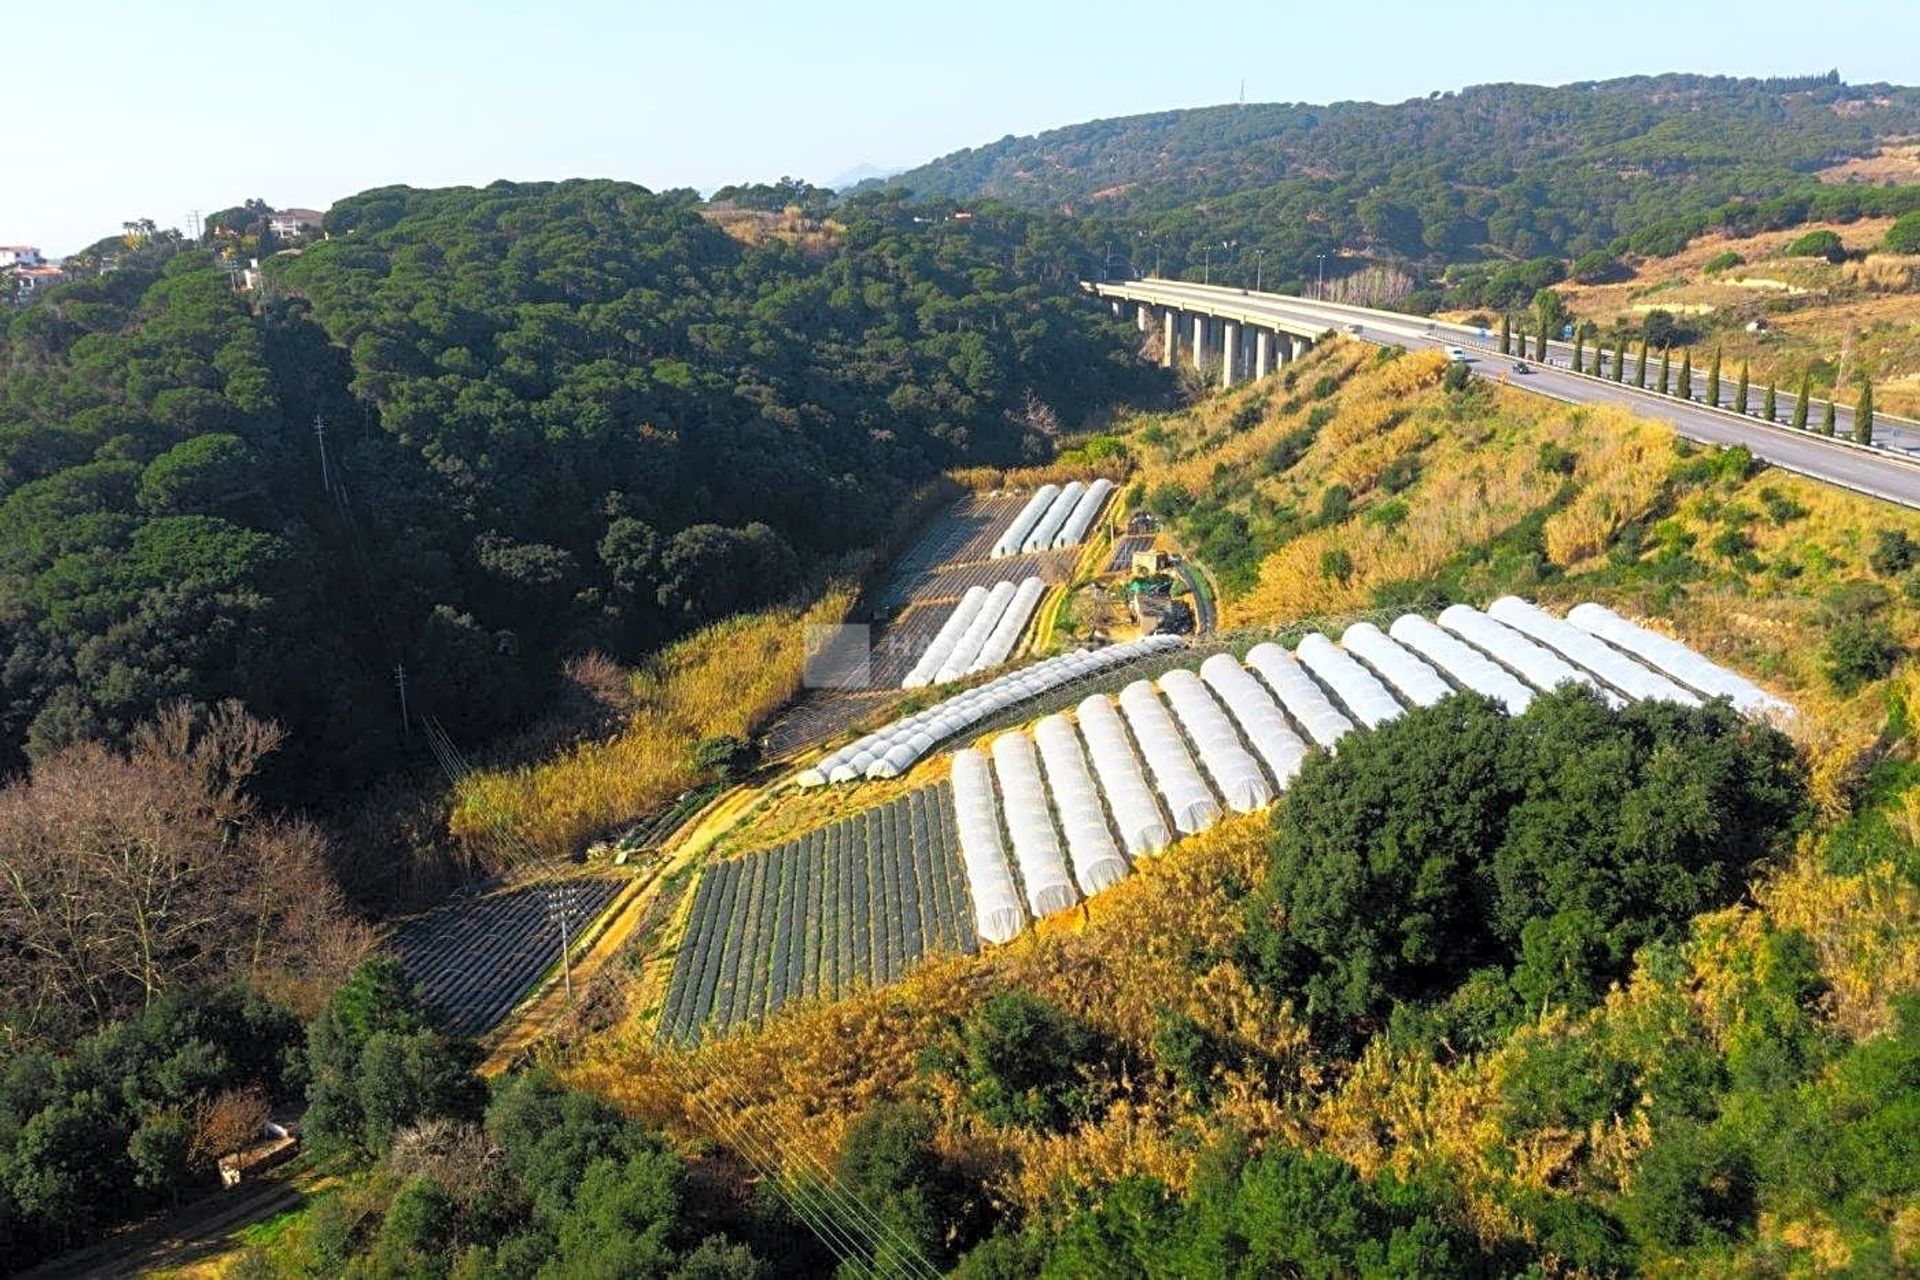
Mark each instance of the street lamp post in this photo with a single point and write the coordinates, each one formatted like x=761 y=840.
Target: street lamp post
x=1258 y=254
x=1320 y=289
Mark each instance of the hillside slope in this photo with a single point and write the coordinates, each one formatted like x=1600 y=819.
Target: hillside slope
x=1501 y=170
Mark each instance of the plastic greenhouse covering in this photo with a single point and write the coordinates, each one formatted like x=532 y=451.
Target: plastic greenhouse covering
x=868 y=757
x=1618 y=670
x=1303 y=699
x=960 y=661
x=1356 y=686
x=1074 y=531
x=1096 y=859
x=1677 y=660
x=1142 y=827
x=1036 y=844
x=1193 y=807
x=941 y=646
x=1041 y=536
x=1259 y=716
x=1420 y=683
x=1236 y=774
x=996 y=904
x=1022 y=524
x=1473 y=669
x=1012 y=625
x=1538 y=665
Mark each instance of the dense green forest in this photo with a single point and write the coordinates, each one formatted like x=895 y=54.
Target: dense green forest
x=1505 y=171
x=554 y=417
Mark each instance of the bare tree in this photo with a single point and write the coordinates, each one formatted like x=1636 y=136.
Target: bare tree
x=126 y=872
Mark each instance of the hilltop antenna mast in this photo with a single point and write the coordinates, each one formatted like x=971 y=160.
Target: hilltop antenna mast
x=1243 y=91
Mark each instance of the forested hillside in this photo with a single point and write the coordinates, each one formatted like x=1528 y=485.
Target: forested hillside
x=556 y=417
x=1501 y=171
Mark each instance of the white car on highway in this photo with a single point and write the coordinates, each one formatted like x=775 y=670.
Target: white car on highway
x=1457 y=353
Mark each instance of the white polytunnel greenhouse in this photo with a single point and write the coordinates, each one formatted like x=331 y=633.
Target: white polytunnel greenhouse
x=1265 y=724
x=1473 y=669
x=1538 y=665
x=1419 y=683
x=941 y=646
x=1085 y=511
x=996 y=903
x=1175 y=775
x=1036 y=844
x=1235 y=773
x=960 y=661
x=1677 y=660
x=874 y=756
x=1096 y=859
x=1022 y=524
x=1041 y=536
x=1618 y=670
x=1135 y=812
x=1325 y=723
x=1012 y=625
x=1352 y=683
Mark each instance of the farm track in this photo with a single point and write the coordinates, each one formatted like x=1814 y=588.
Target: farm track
x=850 y=905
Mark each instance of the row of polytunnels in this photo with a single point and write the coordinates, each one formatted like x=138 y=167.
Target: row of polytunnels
x=1054 y=517
x=1053 y=814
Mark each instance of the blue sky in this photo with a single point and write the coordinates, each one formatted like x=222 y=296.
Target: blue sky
x=156 y=109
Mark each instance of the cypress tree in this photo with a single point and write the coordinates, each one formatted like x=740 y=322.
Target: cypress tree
x=1540 y=350
x=1800 y=401
x=1506 y=335
x=1666 y=371
x=1770 y=406
x=1579 y=351
x=1713 y=380
x=1685 y=387
x=1863 y=415
x=1599 y=365
x=1827 y=420
x=1620 y=359
x=1740 y=392
x=1640 y=368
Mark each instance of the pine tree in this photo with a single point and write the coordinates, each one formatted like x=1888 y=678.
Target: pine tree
x=1770 y=406
x=1579 y=351
x=1713 y=380
x=1863 y=415
x=1684 y=389
x=1666 y=371
x=1506 y=335
x=1640 y=368
x=1740 y=392
x=1800 y=402
x=1827 y=420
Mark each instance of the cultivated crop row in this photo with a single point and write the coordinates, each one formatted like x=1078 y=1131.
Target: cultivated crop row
x=842 y=907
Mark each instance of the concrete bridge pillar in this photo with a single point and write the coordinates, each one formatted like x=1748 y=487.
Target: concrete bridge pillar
x=1199 y=340
x=1262 y=354
x=1141 y=315
x=1229 y=353
x=1117 y=310
x=1171 y=323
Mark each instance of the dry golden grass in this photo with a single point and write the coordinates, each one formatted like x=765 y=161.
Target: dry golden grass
x=1621 y=466
x=989 y=479
x=727 y=679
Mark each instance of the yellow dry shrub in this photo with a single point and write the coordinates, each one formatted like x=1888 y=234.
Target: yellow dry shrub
x=1621 y=463
x=1865 y=929
x=726 y=679
x=1884 y=273
x=1361 y=466
x=988 y=479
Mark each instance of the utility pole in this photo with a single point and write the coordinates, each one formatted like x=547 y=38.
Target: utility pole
x=559 y=907
x=400 y=682
x=193 y=220
x=320 y=435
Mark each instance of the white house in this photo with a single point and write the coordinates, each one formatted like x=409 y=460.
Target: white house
x=20 y=255
x=294 y=222
x=29 y=280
